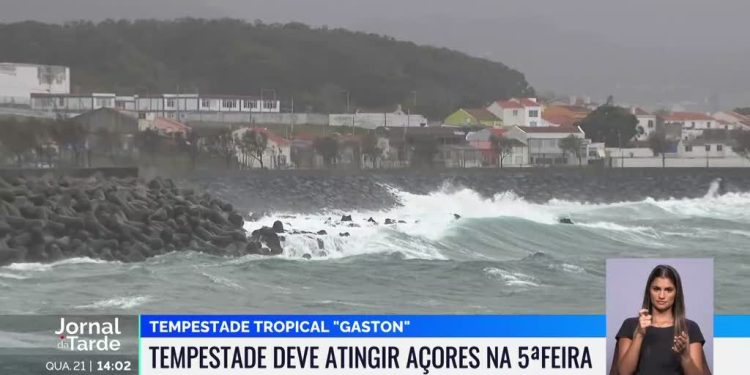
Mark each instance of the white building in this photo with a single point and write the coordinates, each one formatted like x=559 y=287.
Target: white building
x=543 y=144
x=373 y=120
x=518 y=112
x=165 y=105
x=732 y=120
x=693 y=123
x=19 y=81
x=646 y=123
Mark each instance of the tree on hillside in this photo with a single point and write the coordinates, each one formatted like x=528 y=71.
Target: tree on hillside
x=253 y=143
x=743 y=111
x=660 y=145
x=328 y=148
x=614 y=126
x=742 y=143
x=574 y=145
x=502 y=147
x=370 y=148
x=311 y=64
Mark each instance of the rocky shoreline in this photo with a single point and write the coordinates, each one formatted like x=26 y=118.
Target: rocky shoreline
x=50 y=218
x=45 y=219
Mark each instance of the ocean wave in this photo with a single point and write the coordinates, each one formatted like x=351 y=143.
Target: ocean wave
x=512 y=278
x=426 y=222
x=12 y=276
x=42 y=267
x=565 y=267
x=222 y=281
x=117 y=303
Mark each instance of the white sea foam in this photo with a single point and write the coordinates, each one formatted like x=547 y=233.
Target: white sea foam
x=12 y=276
x=40 y=267
x=512 y=278
x=222 y=281
x=117 y=303
x=428 y=219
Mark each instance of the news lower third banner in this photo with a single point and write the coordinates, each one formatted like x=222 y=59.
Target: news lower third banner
x=327 y=344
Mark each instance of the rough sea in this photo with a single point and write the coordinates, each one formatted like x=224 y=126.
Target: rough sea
x=504 y=255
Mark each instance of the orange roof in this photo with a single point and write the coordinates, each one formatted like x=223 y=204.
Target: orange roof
x=687 y=116
x=559 y=119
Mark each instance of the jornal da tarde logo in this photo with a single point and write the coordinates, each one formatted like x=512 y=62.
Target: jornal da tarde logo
x=82 y=335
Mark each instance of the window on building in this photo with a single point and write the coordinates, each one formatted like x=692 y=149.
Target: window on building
x=515 y=112
x=688 y=148
x=693 y=123
x=228 y=103
x=61 y=101
x=708 y=147
x=534 y=113
x=719 y=147
x=170 y=103
x=533 y=123
x=269 y=104
x=650 y=124
x=142 y=115
x=708 y=124
x=205 y=103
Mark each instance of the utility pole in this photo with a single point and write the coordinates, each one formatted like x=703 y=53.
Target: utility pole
x=291 y=136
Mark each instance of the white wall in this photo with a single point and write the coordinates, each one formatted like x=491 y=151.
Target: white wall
x=648 y=124
x=19 y=81
x=375 y=120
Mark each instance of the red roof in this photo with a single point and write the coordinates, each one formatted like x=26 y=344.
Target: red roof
x=550 y=129
x=558 y=119
x=687 y=116
x=518 y=103
x=168 y=125
x=281 y=141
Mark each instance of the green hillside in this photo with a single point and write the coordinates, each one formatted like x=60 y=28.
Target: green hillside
x=315 y=66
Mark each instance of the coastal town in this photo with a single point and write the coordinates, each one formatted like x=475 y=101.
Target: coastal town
x=46 y=125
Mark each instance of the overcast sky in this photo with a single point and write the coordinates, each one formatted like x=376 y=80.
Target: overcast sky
x=641 y=51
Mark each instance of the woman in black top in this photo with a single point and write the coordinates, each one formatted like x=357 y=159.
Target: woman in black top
x=661 y=340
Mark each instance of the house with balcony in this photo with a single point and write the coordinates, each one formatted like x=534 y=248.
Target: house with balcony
x=525 y=112
x=543 y=144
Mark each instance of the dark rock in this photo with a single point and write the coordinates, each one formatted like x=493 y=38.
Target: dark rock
x=456 y=216
x=266 y=236
x=371 y=220
x=236 y=220
x=565 y=220
x=346 y=218
x=344 y=234
x=322 y=232
x=307 y=256
x=389 y=222
x=321 y=244
x=278 y=227
x=402 y=222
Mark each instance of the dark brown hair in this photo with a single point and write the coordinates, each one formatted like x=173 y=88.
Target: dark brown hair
x=678 y=308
